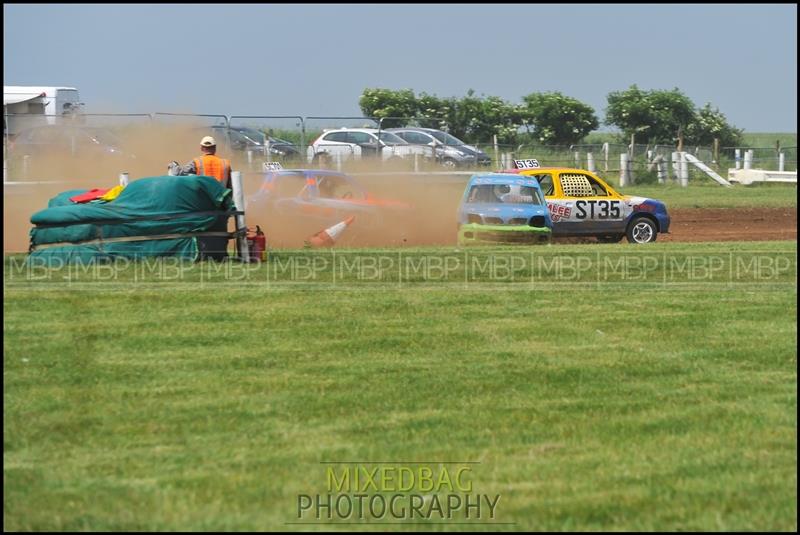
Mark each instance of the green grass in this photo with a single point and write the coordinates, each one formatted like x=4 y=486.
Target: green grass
x=712 y=195
x=768 y=139
x=631 y=402
x=749 y=139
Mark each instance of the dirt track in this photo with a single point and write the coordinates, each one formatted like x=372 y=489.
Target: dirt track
x=731 y=224
x=688 y=225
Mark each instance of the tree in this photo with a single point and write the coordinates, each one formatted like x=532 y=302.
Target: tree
x=711 y=124
x=658 y=115
x=499 y=118
x=435 y=112
x=475 y=119
x=471 y=118
x=556 y=118
x=380 y=103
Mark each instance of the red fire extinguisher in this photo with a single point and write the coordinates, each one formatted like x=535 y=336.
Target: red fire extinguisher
x=257 y=243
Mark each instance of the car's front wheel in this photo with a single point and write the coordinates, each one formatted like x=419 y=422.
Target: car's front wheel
x=449 y=162
x=642 y=230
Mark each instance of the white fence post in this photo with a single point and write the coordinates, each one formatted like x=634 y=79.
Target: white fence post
x=737 y=156
x=667 y=168
x=338 y=161
x=684 y=167
x=631 y=177
x=781 y=162
x=416 y=162
x=661 y=167
x=676 y=165
x=605 y=155
x=241 y=226
x=623 y=169
x=748 y=159
x=123 y=179
x=577 y=156
x=590 y=162
x=496 y=149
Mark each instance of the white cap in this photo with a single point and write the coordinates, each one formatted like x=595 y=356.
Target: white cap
x=208 y=141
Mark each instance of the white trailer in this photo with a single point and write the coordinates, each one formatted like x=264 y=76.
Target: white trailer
x=27 y=106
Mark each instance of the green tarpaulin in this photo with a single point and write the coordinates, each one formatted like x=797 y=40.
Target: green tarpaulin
x=183 y=216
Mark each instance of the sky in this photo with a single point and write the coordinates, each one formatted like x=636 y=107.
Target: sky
x=316 y=59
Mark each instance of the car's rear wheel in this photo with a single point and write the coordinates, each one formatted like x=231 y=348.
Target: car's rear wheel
x=642 y=230
x=449 y=162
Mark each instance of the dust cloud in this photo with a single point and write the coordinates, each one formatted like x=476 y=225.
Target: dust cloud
x=428 y=219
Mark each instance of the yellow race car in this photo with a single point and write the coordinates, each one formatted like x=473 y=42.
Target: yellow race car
x=583 y=204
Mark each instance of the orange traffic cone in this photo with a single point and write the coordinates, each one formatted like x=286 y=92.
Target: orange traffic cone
x=328 y=237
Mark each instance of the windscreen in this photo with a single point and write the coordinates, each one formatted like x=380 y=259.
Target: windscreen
x=446 y=138
x=505 y=194
x=392 y=139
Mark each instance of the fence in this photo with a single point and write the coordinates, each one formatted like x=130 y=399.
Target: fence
x=142 y=145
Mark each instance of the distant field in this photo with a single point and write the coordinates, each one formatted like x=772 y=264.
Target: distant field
x=762 y=139
x=656 y=394
x=712 y=195
x=749 y=139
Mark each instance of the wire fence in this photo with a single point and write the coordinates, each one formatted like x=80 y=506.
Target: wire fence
x=39 y=147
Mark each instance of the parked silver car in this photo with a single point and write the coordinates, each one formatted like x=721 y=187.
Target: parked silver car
x=357 y=143
x=450 y=151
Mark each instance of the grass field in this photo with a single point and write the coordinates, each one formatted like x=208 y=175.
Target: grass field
x=712 y=195
x=594 y=397
x=749 y=139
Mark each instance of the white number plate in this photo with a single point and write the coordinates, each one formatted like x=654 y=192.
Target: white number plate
x=526 y=164
x=273 y=166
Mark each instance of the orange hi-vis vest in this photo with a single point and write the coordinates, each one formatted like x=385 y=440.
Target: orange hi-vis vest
x=212 y=165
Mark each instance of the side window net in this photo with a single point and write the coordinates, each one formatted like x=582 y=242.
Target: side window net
x=576 y=186
x=546 y=182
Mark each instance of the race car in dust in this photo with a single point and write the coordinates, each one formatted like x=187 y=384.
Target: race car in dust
x=499 y=208
x=312 y=199
x=582 y=204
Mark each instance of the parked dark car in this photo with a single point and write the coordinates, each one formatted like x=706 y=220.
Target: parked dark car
x=244 y=139
x=450 y=151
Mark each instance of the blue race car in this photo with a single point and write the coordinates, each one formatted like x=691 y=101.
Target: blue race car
x=502 y=208
x=294 y=203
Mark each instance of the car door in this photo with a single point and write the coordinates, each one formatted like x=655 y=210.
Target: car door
x=582 y=205
x=423 y=143
x=294 y=200
x=340 y=195
x=368 y=143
